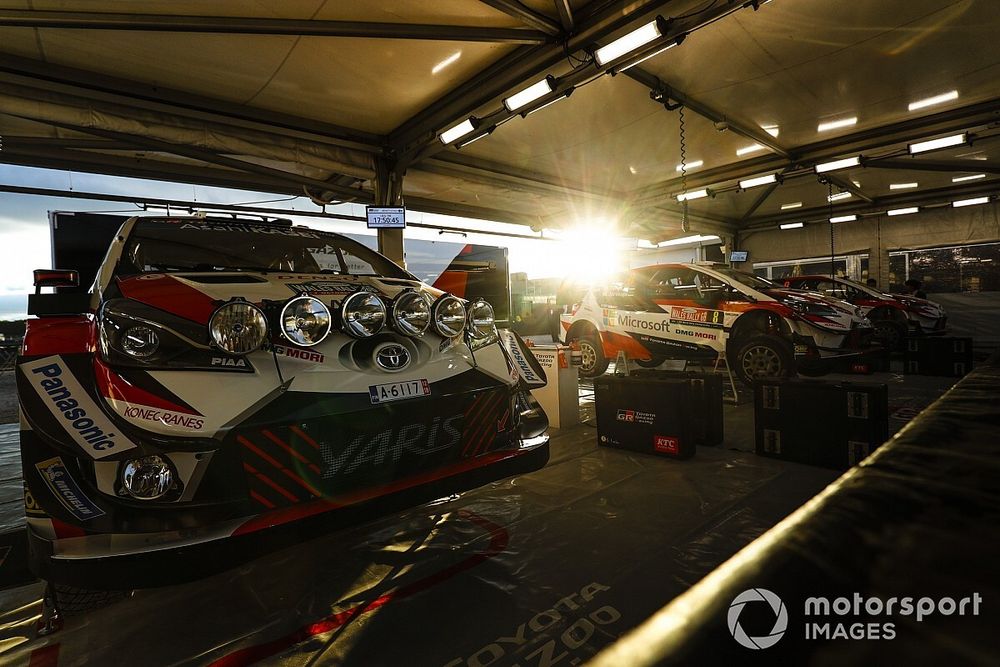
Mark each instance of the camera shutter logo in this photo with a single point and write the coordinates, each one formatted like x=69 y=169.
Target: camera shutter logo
x=780 y=618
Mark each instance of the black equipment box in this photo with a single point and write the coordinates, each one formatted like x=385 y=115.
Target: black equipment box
x=706 y=402
x=950 y=356
x=646 y=415
x=828 y=424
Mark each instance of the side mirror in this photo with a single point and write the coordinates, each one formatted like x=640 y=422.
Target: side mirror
x=55 y=278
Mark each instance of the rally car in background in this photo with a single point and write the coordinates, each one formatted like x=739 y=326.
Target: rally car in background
x=224 y=377
x=702 y=311
x=894 y=316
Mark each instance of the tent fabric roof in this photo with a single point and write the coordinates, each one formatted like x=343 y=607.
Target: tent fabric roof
x=321 y=95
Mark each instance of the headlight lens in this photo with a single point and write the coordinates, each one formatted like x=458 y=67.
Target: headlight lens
x=363 y=314
x=140 y=341
x=147 y=477
x=305 y=321
x=238 y=327
x=412 y=313
x=481 y=319
x=449 y=316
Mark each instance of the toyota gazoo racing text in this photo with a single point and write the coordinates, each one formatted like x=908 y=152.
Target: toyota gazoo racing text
x=231 y=376
x=698 y=312
x=894 y=316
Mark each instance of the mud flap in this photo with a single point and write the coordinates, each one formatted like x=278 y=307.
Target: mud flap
x=524 y=367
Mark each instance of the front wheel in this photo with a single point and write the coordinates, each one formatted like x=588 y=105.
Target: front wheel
x=891 y=334
x=650 y=363
x=763 y=356
x=592 y=360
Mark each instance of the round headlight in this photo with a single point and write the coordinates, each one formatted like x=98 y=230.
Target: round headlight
x=449 y=316
x=140 y=341
x=411 y=311
x=238 y=327
x=481 y=319
x=147 y=477
x=305 y=321
x=363 y=314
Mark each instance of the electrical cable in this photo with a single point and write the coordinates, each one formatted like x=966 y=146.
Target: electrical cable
x=685 y=225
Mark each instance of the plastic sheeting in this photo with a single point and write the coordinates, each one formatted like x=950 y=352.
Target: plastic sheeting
x=920 y=519
x=555 y=563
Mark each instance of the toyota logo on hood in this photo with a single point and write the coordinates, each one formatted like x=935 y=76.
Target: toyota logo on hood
x=392 y=357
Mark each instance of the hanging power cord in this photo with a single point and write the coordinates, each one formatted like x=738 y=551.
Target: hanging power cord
x=685 y=225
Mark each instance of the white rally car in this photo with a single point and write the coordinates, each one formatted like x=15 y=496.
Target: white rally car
x=701 y=311
x=224 y=377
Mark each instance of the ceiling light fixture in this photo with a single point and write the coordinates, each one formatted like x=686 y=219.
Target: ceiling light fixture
x=839 y=196
x=903 y=186
x=962 y=179
x=786 y=207
x=903 y=211
x=467 y=126
x=691 y=165
x=525 y=114
x=934 y=144
x=653 y=54
x=931 y=101
x=533 y=92
x=791 y=225
x=463 y=144
x=836 y=124
x=838 y=164
x=773 y=130
x=630 y=42
x=752 y=148
x=688 y=196
x=758 y=180
x=843 y=218
x=970 y=202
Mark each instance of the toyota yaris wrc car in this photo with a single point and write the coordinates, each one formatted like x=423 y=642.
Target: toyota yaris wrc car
x=699 y=312
x=893 y=315
x=225 y=377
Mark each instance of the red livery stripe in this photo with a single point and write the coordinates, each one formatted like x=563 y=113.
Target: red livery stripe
x=114 y=386
x=274 y=462
x=167 y=293
x=280 y=443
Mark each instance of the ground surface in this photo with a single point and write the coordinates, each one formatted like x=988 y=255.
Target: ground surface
x=8 y=398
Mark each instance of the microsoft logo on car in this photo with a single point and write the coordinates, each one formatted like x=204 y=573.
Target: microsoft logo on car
x=780 y=618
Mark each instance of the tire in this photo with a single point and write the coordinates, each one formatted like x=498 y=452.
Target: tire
x=762 y=356
x=593 y=363
x=649 y=363
x=72 y=601
x=891 y=334
x=814 y=368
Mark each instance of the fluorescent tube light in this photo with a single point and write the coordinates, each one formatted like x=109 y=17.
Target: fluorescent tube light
x=630 y=42
x=458 y=131
x=651 y=55
x=752 y=148
x=530 y=94
x=773 y=130
x=791 y=225
x=903 y=186
x=934 y=144
x=970 y=202
x=758 y=180
x=903 y=211
x=463 y=144
x=692 y=165
x=844 y=218
x=961 y=179
x=931 y=101
x=839 y=196
x=786 y=207
x=525 y=114
x=837 y=164
x=688 y=196
x=836 y=124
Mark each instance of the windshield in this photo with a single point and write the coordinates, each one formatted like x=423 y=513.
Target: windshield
x=745 y=278
x=194 y=245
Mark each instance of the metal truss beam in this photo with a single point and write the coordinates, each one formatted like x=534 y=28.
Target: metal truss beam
x=967 y=166
x=847 y=186
x=526 y=15
x=264 y=26
x=565 y=12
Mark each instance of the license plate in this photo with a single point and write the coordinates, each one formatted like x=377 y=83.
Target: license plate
x=399 y=391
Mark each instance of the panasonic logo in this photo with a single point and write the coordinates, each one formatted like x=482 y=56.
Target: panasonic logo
x=73 y=408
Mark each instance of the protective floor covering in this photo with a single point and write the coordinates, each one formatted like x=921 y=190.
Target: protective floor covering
x=546 y=567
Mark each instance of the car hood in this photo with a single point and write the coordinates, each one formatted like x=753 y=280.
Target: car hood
x=819 y=309
x=195 y=296
x=924 y=307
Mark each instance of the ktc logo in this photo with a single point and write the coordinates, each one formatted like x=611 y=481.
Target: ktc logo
x=780 y=618
x=665 y=443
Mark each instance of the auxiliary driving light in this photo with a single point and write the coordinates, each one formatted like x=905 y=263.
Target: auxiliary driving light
x=449 y=316
x=305 y=321
x=147 y=477
x=481 y=319
x=411 y=313
x=363 y=314
x=238 y=327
